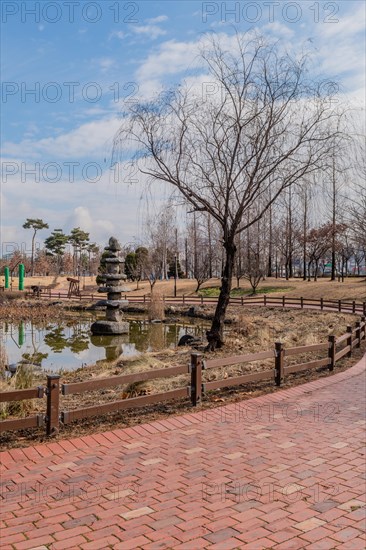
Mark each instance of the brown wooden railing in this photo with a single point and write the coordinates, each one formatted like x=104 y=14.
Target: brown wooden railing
x=346 y=306
x=335 y=348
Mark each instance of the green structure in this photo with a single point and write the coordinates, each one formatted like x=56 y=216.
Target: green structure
x=21 y=276
x=7 y=276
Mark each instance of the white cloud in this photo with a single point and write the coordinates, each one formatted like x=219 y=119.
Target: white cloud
x=348 y=25
x=277 y=29
x=158 y=19
x=90 y=139
x=104 y=63
x=171 y=58
x=111 y=206
x=118 y=34
x=81 y=217
x=153 y=31
x=340 y=49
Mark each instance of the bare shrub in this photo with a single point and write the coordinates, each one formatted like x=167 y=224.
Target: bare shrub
x=156 y=309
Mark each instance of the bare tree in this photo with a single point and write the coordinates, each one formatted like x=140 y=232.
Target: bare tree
x=264 y=129
x=254 y=267
x=319 y=241
x=356 y=212
x=160 y=235
x=200 y=238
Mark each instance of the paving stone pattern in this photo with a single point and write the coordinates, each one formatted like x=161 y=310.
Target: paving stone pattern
x=282 y=471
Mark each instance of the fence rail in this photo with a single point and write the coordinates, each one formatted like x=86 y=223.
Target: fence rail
x=336 y=348
x=19 y=395
x=351 y=306
x=114 y=406
x=101 y=383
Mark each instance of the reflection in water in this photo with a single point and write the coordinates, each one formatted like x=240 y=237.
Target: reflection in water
x=111 y=344
x=57 y=340
x=69 y=345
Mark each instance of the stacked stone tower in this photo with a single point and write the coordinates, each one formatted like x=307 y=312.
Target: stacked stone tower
x=112 y=285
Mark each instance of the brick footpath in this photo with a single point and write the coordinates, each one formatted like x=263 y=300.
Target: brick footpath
x=281 y=471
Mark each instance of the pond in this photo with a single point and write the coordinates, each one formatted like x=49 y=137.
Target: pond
x=69 y=345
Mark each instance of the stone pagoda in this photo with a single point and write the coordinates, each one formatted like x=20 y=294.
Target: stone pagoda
x=112 y=285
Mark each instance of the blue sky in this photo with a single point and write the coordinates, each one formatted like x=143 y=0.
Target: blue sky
x=85 y=67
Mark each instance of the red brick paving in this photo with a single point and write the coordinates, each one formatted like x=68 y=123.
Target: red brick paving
x=283 y=471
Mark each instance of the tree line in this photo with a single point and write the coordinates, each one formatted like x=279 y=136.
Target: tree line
x=55 y=257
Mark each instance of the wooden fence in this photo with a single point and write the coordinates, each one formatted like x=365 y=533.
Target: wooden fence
x=335 y=348
x=346 y=306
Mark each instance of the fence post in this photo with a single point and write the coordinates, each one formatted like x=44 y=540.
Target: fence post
x=242 y=301
x=144 y=298
x=321 y=304
x=364 y=308
x=302 y=302
x=349 y=340
x=363 y=320
x=283 y=301
x=201 y=300
x=339 y=305
x=196 y=378
x=265 y=299
x=183 y=300
x=331 y=351
x=353 y=307
x=358 y=333
x=53 y=404
x=279 y=363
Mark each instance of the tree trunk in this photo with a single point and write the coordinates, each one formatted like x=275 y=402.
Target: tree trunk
x=32 y=259
x=209 y=245
x=199 y=283
x=215 y=335
x=270 y=245
x=305 y=234
x=290 y=239
x=186 y=254
x=334 y=203
x=254 y=287
x=309 y=270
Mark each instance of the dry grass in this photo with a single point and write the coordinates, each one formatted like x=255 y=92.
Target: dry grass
x=21 y=310
x=352 y=288
x=3 y=360
x=156 y=308
x=23 y=379
x=255 y=331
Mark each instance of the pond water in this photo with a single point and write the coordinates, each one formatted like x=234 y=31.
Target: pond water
x=69 y=345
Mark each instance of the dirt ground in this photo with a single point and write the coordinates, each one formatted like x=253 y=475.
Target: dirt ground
x=353 y=288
